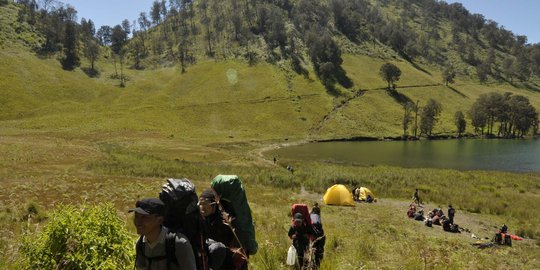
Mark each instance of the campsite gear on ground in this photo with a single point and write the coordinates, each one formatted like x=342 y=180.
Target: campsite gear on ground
x=291 y=256
x=366 y=195
x=229 y=189
x=182 y=215
x=428 y=222
x=338 y=195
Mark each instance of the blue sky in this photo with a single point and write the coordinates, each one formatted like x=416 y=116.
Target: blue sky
x=518 y=16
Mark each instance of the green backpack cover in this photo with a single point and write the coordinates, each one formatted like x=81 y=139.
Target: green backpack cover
x=230 y=189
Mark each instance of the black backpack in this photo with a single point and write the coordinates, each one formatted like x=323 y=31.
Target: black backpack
x=182 y=215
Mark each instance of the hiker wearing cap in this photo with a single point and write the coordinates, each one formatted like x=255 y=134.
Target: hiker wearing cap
x=220 y=238
x=157 y=248
x=300 y=234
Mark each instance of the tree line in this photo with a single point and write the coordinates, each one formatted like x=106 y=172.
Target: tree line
x=180 y=31
x=492 y=114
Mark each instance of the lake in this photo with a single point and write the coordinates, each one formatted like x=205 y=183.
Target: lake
x=464 y=154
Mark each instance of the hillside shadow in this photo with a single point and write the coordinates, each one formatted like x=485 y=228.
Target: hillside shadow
x=415 y=65
x=92 y=73
x=457 y=91
x=341 y=77
x=531 y=86
x=399 y=97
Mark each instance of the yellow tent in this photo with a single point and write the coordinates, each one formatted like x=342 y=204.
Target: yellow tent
x=338 y=195
x=364 y=192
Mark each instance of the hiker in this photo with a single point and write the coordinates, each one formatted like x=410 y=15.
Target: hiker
x=416 y=197
x=502 y=237
x=157 y=248
x=321 y=238
x=451 y=213
x=290 y=168
x=220 y=237
x=275 y=160
x=419 y=215
x=300 y=234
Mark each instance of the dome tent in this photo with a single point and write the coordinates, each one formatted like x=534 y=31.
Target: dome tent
x=338 y=195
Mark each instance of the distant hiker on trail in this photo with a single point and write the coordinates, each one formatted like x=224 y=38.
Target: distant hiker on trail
x=220 y=238
x=300 y=234
x=275 y=160
x=157 y=248
x=416 y=198
x=451 y=213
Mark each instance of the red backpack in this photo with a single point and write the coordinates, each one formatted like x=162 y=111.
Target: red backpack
x=302 y=209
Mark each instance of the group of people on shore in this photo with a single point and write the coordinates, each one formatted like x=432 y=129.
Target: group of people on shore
x=433 y=217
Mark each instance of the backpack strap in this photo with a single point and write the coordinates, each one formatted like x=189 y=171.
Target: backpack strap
x=170 y=256
x=170 y=249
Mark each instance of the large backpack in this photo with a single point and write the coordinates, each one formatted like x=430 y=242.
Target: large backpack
x=302 y=209
x=230 y=190
x=182 y=215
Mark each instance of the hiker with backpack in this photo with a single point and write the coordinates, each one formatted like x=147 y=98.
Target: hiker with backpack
x=301 y=234
x=220 y=238
x=315 y=215
x=158 y=248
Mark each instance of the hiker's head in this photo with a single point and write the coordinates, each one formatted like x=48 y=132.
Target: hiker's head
x=148 y=215
x=207 y=203
x=298 y=219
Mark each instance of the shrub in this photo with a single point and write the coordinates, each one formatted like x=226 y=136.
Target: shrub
x=90 y=237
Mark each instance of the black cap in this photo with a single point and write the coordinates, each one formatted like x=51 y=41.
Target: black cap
x=208 y=194
x=298 y=217
x=149 y=206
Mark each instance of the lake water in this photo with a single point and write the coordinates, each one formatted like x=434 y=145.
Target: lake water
x=464 y=154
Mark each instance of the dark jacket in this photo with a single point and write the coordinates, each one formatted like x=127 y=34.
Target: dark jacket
x=303 y=234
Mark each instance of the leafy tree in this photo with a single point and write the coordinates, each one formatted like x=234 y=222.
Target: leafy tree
x=478 y=117
x=118 y=40
x=522 y=67
x=325 y=56
x=407 y=118
x=448 y=75
x=508 y=68
x=390 y=73
x=459 y=120
x=482 y=72
x=91 y=51
x=155 y=12
x=88 y=30
x=71 y=58
x=429 y=116
x=523 y=115
x=104 y=35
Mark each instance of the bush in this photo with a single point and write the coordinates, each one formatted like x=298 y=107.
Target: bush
x=90 y=237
